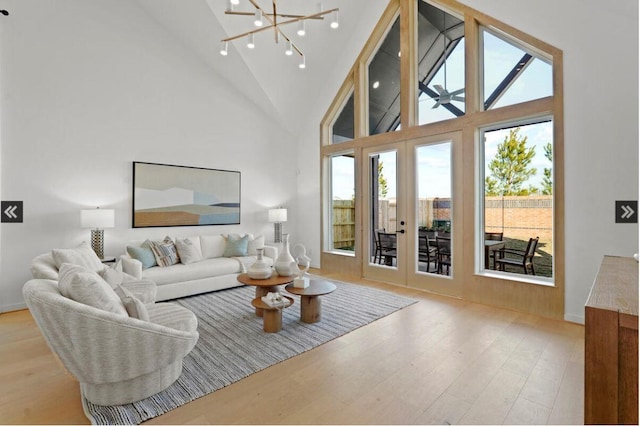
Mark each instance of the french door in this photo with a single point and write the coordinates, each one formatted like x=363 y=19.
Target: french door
x=412 y=216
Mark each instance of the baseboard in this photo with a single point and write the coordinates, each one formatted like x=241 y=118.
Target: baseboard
x=574 y=318
x=13 y=307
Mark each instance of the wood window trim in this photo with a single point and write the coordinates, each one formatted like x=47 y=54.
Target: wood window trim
x=512 y=294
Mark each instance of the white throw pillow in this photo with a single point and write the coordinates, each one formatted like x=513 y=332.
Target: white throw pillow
x=134 y=306
x=82 y=255
x=189 y=250
x=212 y=246
x=87 y=287
x=256 y=243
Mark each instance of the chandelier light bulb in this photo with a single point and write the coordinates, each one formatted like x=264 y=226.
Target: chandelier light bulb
x=302 y=65
x=235 y=2
x=301 y=30
x=289 y=50
x=258 y=19
x=250 y=42
x=334 y=19
x=224 y=49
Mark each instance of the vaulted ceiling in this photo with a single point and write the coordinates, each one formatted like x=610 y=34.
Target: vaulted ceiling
x=265 y=75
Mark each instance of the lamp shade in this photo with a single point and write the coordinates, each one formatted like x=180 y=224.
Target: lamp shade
x=97 y=218
x=278 y=215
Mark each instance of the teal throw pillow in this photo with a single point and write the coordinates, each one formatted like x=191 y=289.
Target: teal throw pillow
x=144 y=255
x=236 y=247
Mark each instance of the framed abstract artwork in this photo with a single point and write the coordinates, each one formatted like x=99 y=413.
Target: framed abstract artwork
x=166 y=195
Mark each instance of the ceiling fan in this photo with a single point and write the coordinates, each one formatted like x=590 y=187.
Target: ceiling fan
x=444 y=96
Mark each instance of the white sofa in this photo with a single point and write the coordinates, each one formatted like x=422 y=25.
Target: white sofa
x=213 y=272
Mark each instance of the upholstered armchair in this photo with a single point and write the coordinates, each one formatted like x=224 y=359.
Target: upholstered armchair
x=117 y=359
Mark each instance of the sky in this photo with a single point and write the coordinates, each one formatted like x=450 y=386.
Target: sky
x=434 y=161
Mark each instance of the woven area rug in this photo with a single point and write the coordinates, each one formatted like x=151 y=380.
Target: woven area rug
x=232 y=344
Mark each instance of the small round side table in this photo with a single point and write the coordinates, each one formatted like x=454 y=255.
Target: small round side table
x=310 y=306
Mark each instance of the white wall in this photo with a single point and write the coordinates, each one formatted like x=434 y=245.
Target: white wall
x=88 y=87
x=600 y=47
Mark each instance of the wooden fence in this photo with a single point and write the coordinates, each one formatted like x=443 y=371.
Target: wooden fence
x=517 y=217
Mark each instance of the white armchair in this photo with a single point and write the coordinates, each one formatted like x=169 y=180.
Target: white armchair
x=117 y=359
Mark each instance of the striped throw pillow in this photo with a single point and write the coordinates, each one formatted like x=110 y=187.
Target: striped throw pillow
x=165 y=252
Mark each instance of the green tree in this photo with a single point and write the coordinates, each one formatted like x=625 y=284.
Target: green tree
x=510 y=167
x=383 y=189
x=547 y=181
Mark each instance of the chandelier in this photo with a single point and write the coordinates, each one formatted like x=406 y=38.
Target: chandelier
x=274 y=21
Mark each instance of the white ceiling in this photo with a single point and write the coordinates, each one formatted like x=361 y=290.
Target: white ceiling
x=265 y=75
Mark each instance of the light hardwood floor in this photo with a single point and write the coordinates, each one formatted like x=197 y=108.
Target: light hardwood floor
x=439 y=361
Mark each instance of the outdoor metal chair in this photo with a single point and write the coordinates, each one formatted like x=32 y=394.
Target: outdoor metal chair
x=521 y=258
x=388 y=247
x=377 y=255
x=443 y=253
x=427 y=253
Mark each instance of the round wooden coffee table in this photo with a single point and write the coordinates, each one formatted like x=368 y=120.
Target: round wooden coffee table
x=272 y=318
x=264 y=286
x=310 y=306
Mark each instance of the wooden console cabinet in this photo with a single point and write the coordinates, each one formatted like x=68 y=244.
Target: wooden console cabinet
x=611 y=344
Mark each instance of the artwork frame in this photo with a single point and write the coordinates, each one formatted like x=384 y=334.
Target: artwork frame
x=166 y=195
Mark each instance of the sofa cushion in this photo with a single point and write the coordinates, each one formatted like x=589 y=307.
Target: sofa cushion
x=82 y=255
x=194 y=271
x=87 y=287
x=143 y=253
x=134 y=306
x=173 y=316
x=189 y=250
x=165 y=252
x=212 y=246
x=236 y=247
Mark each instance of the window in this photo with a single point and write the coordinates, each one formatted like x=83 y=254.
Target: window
x=440 y=64
x=384 y=84
x=517 y=183
x=342 y=214
x=459 y=80
x=513 y=73
x=342 y=129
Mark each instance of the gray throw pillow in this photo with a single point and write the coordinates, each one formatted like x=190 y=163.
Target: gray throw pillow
x=134 y=306
x=87 y=287
x=82 y=255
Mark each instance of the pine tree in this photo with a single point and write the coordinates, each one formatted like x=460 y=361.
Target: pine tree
x=547 y=181
x=383 y=189
x=510 y=167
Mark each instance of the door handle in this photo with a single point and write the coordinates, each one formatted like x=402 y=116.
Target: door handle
x=400 y=231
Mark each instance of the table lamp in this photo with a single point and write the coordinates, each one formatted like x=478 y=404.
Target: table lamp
x=277 y=217
x=97 y=219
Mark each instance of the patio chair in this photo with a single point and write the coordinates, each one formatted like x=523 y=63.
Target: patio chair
x=443 y=253
x=521 y=258
x=388 y=247
x=426 y=252
x=377 y=256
